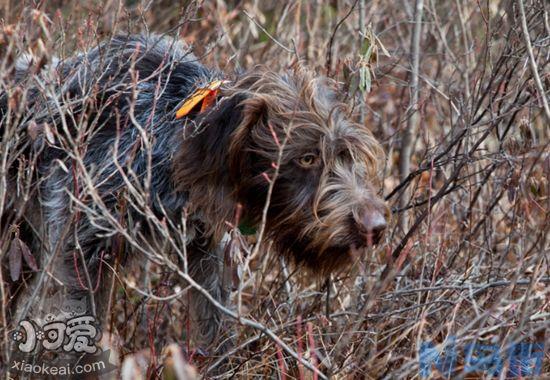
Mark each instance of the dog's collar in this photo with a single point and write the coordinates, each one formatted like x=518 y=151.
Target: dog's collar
x=246 y=228
x=205 y=96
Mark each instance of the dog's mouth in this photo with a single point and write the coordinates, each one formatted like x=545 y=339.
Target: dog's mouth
x=358 y=241
x=324 y=254
x=353 y=251
x=357 y=236
x=337 y=255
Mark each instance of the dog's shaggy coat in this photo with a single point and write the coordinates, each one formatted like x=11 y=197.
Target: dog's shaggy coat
x=115 y=105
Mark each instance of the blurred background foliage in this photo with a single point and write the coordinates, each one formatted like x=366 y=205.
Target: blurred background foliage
x=472 y=261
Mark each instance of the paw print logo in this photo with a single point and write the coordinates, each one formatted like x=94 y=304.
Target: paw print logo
x=17 y=336
x=40 y=335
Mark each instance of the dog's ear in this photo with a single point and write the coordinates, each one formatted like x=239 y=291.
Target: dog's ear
x=254 y=115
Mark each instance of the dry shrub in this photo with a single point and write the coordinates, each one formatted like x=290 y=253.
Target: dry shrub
x=472 y=262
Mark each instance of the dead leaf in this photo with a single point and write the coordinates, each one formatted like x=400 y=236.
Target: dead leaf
x=27 y=255
x=49 y=134
x=34 y=130
x=14 y=255
x=175 y=366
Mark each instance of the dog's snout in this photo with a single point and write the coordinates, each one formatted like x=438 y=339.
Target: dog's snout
x=372 y=224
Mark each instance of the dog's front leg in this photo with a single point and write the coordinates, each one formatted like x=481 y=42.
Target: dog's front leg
x=206 y=263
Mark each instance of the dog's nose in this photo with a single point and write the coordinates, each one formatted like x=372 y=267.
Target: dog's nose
x=373 y=225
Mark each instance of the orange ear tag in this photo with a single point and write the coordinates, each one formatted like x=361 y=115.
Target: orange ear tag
x=206 y=95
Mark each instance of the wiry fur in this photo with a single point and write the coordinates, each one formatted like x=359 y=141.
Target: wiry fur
x=205 y=164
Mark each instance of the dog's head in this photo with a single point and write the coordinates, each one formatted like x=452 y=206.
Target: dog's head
x=296 y=148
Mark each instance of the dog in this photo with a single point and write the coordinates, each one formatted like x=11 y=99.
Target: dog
x=137 y=133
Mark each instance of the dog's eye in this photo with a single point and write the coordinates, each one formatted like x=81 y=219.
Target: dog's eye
x=307 y=160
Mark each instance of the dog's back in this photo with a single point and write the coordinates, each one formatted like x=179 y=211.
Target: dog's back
x=106 y=94
x=99 y=104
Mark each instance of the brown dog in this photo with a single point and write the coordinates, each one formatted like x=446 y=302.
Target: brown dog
x=115 y=167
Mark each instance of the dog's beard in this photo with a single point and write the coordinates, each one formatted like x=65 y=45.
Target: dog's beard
x=321 y=257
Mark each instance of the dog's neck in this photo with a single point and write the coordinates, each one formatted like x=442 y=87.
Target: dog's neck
x=201 y=164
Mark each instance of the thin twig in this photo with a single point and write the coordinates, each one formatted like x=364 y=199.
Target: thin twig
x=266 y=32
x=532 y=61
x=412 y=121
